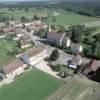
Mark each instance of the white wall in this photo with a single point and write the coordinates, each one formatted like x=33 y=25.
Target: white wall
x=37 y=58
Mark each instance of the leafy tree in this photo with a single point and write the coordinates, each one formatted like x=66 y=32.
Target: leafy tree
x=98 y=37
x=1 y=31
x=53 y=27
x=54 y=55
x=35 y=17
x=26 y=9
x=12 y=18
x=15 y=50
x=24 y=19
x=11 y=9
x=61 y=29
x=42 y=33
x=96 y=50
x=53 y=19
x=98 y=74
x=77 y=33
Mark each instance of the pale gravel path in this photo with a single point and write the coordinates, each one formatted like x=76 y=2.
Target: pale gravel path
x=43 y=65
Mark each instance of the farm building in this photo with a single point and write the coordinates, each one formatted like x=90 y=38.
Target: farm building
x=76 y=60
x=76 y=48
x=14 y=68
x=60 y=39
x=92 y=66
x=34 y=55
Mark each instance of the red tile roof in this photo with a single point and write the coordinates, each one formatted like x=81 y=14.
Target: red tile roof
x=36 y=50
x=91 y=66
x=12 y=66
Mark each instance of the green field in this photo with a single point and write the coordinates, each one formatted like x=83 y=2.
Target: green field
x=19 y=13
x=70 y=18
x=32 y=85
x=95 y=95
x=75 y=89
x=63 y=18
x=5 y=46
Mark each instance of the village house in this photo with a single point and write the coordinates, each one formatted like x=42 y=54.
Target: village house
x=37 y=26
x=10 y=30
x=14 y=68
x=92 y=66
x=24 y=44
x=25 y=41
x=25 y=37
x=20 y=25
x=40 y=16
x=60 y=39
x=34 y=55
x=77 y=48
x=20 y=32
x=36 y=22
x=76 y=61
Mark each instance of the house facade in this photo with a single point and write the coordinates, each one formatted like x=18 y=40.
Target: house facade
x=25 y=41
x=14 y=68
x=34 y=55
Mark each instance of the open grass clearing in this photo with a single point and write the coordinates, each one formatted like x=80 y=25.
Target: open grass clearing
x=5 y=46
x=70 y=18
x=32 y=85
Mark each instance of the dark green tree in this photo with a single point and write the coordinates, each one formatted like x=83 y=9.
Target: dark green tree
x=24 y=19
x=42 y=33
x=98 y=74
x=96 y=50
x=26 y=9
x=54 y=55
x=77 y=33
x=1 y=31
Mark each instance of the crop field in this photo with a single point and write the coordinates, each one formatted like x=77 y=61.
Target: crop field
x=32 y=85
x=62 y=18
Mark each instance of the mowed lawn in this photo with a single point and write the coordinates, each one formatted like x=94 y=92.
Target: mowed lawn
x=5 y=47
x=32 y=85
